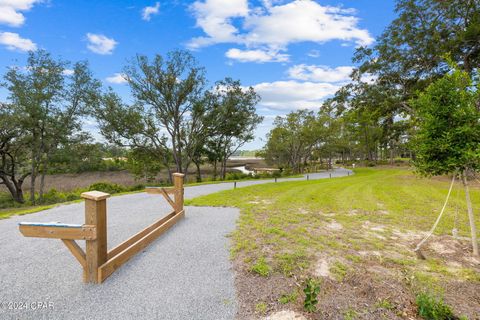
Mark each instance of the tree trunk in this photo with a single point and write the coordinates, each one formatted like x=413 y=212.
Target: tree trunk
x=224 y=168
x=215 y=169
x=15 y=192
x=42 y=180
x=199 y=173
x=32 y=182
x=473 y=228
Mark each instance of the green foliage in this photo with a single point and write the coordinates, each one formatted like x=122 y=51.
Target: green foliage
x=292 y=139
x=311 y=290
x=339 y=270
x=231 y=121
x=448 y=139
x=384 y=304
x=432 y=308
x=107 y=187
x=261 y=267
x=45 y=107
x=288 y=297
x=85 y=156
x=350 y=314
x=261 y=308
x=237 y=176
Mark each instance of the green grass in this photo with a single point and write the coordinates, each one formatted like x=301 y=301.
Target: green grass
x=291 y=219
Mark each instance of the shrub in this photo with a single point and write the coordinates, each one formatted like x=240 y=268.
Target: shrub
x=236 y=176
x=53 y=196
x=107 y=187
x=136 y=187
x=311 y=290
x=431 y=308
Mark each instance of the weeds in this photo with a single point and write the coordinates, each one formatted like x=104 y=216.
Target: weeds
x=261 y=267
x=311 y=290
x=287 y=298
x=261 y=308
x=432 y=308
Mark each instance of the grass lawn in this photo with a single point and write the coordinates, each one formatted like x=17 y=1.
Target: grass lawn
x=355 y=235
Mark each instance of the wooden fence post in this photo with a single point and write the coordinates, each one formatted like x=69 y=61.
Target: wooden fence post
x=96 y=250
x=179 y=191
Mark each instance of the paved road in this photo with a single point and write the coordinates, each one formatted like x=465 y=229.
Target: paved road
x=185 y=274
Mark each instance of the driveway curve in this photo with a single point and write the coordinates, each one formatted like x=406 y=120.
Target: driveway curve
x=185 y=274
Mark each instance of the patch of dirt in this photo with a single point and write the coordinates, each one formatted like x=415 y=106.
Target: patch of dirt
x=322 y=268
x=465 y=297
x=334 y=225
x=285 y=315
x=373 y=227
x=303 y=211
x=253 y=289
x=441 y=248
x=378 y=286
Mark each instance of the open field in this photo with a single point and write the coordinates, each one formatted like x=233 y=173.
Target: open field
x=356 y=236
x=71 y=181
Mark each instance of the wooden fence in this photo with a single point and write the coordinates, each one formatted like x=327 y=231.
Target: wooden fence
x=96 y=261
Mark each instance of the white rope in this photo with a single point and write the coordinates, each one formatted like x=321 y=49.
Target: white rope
x=439 y=216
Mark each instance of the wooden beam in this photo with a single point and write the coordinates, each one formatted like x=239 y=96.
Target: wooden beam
x=169 y=200
x=83 y=232
x=124 y=245
x=117 y=261
x=158 y=190
x=178 y=195
x=96 y=249
x=76 y=251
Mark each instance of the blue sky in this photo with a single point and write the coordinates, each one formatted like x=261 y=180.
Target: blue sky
x=294 y=53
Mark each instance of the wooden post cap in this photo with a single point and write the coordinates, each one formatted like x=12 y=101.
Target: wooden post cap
x=176 y=174
x=95 y=195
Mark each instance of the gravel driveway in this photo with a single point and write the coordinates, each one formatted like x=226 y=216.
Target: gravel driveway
x=185 y=274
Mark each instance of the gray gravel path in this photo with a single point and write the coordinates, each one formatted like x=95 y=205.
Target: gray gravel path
x=185 y=274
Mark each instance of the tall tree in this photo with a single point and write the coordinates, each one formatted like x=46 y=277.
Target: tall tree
x=136 y=128
x=232 y=120
x=169 y=90
x=293 y=139
x=448 y=140
x=13 y=155
x=51 y=100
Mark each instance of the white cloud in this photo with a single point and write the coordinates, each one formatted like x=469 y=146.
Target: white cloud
x=320 y=73
x=274 y=26
x=117 y=78
x=287 y=95
x=214 y=18
x=148 y=12
x=68 y=72
x=10 y=11
x=13 y=41
x=100 y=44
x=256 y=55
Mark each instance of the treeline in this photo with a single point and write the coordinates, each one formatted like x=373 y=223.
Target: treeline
x=374 y=117
x=175 y=121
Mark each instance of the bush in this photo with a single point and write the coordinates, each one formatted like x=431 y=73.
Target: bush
x=431 y=308
x=136 y=187
x=53 y=196
x=236 y=176
x=107 y=187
